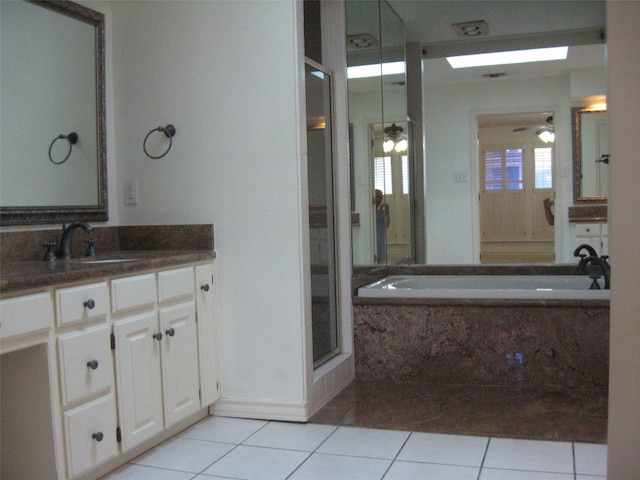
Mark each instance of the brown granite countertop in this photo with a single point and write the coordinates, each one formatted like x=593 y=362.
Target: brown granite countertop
x=24 y=275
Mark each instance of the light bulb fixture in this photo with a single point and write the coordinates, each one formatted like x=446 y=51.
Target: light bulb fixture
x=388 y=145
x=402 y=145
x=395 y=139
x=546 y=135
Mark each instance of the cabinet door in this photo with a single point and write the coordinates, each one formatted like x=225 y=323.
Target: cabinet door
x=180 y=377
x=138 y=378
x=207 y=334
x=90 y=434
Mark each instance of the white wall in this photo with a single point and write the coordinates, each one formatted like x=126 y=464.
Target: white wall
x=450 y=138
x=233 y=97
x=623 y=101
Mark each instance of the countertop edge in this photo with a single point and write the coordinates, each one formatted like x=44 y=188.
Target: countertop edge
x=30 y=275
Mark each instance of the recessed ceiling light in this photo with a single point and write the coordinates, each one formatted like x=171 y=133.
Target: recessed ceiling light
x=507 y=58
x=471 y=29
x=362 y=40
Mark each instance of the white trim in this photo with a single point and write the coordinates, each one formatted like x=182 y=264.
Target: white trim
x=290 y=412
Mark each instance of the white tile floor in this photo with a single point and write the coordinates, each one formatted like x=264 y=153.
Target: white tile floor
x=229 y=448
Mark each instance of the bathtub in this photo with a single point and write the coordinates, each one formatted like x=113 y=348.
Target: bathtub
x=525 y=287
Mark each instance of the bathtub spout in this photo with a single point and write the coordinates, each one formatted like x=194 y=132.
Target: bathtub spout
x=585 y=246
x=602 y=263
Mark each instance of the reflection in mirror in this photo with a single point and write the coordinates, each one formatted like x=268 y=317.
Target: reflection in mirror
x=452 y=100
x=53 y=158
x=375 y=38
x=590 y=155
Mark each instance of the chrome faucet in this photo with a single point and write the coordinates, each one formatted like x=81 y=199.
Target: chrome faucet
x=602 y=263
x=67 y=234
x=585 y=246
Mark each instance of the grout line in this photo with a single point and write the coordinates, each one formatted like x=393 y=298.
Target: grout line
x=573 y=457
x=396 y=455
x=484 y=457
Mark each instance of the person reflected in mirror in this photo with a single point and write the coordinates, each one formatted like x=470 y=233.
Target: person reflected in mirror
x=548 y=203
x=382 y=223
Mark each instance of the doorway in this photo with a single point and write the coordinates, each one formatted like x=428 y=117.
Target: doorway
x=517 y=188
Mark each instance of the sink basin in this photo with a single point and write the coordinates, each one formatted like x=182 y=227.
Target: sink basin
x=91 y=260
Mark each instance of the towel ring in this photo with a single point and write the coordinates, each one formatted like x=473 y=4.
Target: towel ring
x=72 y=138
x=169 y=131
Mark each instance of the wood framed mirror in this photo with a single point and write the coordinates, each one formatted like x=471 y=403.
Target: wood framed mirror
x=53 y=84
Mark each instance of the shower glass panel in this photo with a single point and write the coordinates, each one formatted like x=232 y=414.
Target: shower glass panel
x=321 y=213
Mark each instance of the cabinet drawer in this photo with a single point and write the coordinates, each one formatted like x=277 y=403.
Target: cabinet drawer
x=588 y=230
x=175 y=284
x=86 y=365
x=85 y=302
x=133 y=292
x=90 y=434
x=25 y=314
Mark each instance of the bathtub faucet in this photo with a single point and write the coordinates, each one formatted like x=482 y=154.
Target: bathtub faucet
x=585 y=246
x=602 y=263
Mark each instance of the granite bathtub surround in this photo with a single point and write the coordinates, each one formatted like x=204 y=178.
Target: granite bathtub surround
x=516 y=344
x=533 y=369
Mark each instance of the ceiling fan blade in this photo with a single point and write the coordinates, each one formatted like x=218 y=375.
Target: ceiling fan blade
x=530 y=127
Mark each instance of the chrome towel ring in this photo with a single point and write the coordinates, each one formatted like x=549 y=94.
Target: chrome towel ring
x=169 y=131
x=72 y=138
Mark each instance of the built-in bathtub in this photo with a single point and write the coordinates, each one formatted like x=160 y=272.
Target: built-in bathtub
x=505 y=329
x=569 y=287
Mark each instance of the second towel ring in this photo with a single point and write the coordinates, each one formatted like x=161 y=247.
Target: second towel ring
x=72 y=138
x=169 y=131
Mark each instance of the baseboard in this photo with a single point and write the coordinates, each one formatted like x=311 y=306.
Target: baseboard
x=289 y=412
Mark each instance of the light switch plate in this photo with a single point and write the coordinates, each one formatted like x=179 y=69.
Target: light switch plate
x=131 y=192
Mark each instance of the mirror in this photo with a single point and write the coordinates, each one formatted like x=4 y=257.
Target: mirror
x=590 y=136
x=453 y=99
x=53 y=148
x=375 y=37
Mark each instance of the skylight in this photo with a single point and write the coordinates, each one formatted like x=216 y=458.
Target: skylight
x=506 y=58
x=365 y=71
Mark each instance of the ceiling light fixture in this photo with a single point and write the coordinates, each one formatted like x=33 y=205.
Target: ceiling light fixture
x=546 y=134
x=396 y=140
x=375 y=70
x=471 y=29
x=362 y=40
x=508 y=58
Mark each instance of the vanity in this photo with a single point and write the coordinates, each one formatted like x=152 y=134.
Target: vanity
x=102 y=358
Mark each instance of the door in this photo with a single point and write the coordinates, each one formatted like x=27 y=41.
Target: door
x=516 y=181
x=138 y=378
x=179 y=352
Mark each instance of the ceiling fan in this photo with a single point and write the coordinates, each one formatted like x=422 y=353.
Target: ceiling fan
x=545 y=132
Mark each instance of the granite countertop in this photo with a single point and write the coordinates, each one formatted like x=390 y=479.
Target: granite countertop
x=23 y=275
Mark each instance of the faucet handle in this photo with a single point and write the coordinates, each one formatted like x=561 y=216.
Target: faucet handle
x=49 y=256
x=91 y=249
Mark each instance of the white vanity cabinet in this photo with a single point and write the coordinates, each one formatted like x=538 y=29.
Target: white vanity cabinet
x=157 y=352
x=94 y=373
x=86 y=375
x=594 y=234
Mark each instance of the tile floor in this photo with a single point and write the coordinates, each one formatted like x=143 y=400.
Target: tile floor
x=229 y=448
